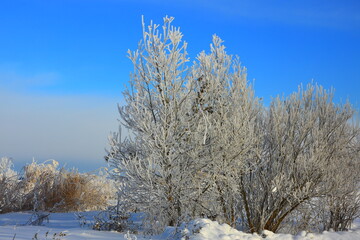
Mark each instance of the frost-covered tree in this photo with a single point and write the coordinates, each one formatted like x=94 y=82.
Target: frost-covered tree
x=229 y=113
x=308 y=141
x=200 y=143
x=8 y=185
x=191 y=130
x=154 y=163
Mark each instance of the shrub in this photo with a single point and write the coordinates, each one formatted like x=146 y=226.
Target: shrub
x=44 y=187
x=9 y=186
x=63 y=190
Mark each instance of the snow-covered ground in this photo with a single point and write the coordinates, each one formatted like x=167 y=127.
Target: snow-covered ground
x=66 y=226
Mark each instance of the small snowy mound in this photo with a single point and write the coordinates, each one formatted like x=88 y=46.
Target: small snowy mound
x=205 y=229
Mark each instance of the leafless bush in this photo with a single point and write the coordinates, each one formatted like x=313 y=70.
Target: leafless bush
x=44 y=187
x=63 y=190
x=37 y=218
x=9 y=186
x=310 y=152
x=110 y=221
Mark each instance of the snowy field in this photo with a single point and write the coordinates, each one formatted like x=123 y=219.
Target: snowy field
x=66 y=226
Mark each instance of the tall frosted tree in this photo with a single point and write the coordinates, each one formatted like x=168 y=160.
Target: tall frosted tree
x=153 y=162
x=191 y=128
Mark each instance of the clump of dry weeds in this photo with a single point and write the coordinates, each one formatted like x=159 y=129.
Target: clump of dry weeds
x=44 y=187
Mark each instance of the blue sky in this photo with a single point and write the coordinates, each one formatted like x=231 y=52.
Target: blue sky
x=63 y=63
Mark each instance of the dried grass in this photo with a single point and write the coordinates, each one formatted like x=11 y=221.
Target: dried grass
x=44 y=187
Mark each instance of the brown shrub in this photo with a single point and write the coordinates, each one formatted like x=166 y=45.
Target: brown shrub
x=43 y=187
